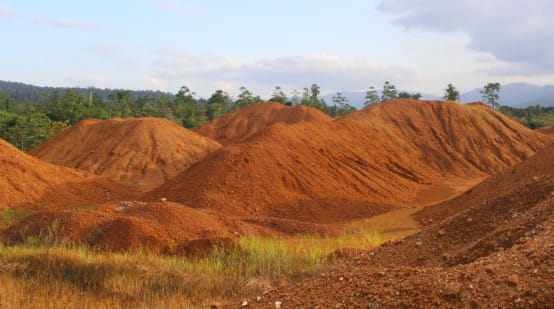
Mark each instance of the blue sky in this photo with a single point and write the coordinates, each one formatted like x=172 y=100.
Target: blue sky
x=346 y=45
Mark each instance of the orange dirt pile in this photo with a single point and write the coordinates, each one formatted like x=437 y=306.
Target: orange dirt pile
x=546 y=130
x=157 y=227
x=26 y=182
x=496 y=252
x=247 y=122
x=356 y=166
x=142 y=152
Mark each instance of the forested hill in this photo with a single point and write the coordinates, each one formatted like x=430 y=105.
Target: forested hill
x=20 y=92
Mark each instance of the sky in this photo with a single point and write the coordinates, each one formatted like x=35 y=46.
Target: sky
x=342 y=45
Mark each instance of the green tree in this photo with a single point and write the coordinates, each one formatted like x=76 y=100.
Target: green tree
x=389 y=92
x=340 y=100
x=310 y=97
x=407 y=95
x=451 y=93
x=371 y=97
x=244 y=99
x=186 y=107
x=490 y=94
x=278 y=95
x=218 y=104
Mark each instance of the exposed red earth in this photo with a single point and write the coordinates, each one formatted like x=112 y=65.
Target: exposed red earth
x=26 y=182
x=546 y=130
x=140 y=152
x=356 y=166
x=491 y=247
x=249 y=121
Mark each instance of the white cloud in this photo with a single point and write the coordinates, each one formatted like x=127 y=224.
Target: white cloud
x=511 y=30
x=65 y=24
x=331 y=72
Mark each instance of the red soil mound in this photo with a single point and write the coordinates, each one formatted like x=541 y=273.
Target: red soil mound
x=355 y=166
x=26 y=182
x=247 y=122
x=158 y=227
x=546 y=130
x=496 y=253
x=140 y=151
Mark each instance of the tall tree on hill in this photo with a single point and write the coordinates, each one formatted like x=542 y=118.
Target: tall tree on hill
x=218 y=104
x=310 y=97
x=371 y=97
x=407 y=95
x=185 y=107
x=245 y=98
x=490 y=94
x=278 y=95
x=389 y=92
x=451 y=93
x=340 y=100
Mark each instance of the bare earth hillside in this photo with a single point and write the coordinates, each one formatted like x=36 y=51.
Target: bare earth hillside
x=356 y=166
x=142 y=152
x=497 y=252
x=26 y=182
x=247 y=122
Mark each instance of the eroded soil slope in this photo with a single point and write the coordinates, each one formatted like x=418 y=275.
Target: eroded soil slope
x=142 y=152
x=157 y=227
x=247 y=122
x=26 y=182
x=546 y=130
x=498 y=252
x=356 y=166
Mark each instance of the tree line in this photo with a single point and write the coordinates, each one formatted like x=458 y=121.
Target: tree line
x=27 y=123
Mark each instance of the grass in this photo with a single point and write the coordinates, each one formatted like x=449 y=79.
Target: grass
x=65 y=276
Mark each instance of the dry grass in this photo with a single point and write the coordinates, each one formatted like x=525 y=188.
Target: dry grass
x=63 y=276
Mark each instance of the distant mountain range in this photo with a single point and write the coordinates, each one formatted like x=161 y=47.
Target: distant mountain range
x=36 y=94
x=516 y=95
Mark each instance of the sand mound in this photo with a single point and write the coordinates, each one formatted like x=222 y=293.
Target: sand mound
x=26 y=182
x=356 y=166
x=158 y=227
x=546 y=130
x=247 y=122
x=139 y=152
x=496 y=253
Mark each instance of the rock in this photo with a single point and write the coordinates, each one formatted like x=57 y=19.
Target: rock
x=278 y=304
x=441 y=232
x=244 y=303
x=419 y=243
x=216 y=305
x=258 y=299
x=163 y=199
x=513 y=279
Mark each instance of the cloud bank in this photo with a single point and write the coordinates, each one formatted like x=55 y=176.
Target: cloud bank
x=511 y=30
x=331 y=72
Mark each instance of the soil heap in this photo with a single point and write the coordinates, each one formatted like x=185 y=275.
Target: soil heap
x=26 y=182
x=546 y=130
x=142 y=152
x=247 y=122
x=496 y=252
x=159 y=227
x=356 y=166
